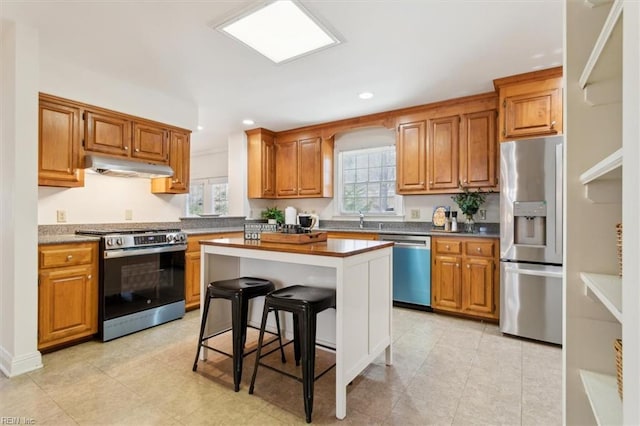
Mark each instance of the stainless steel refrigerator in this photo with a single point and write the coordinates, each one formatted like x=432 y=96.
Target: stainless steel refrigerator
x=531 y=238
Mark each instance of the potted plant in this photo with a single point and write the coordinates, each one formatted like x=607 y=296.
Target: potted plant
x=469 y=202
x=274 y=215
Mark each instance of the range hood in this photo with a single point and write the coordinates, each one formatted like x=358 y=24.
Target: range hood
x=125 y=168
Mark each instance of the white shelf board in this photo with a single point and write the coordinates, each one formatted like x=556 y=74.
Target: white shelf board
x=608 y=289
x=602 y=391
x=610 y=24
x=609 y=167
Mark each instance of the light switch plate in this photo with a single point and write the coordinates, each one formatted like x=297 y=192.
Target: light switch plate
x=128 y=214
x=415 y=213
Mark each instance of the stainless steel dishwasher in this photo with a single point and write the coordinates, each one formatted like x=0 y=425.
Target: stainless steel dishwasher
x=411 y=270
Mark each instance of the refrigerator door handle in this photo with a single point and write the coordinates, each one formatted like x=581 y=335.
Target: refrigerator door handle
x=558 y=213
x=536 y=272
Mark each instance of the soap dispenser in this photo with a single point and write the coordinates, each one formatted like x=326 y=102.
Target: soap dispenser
x=454 y=221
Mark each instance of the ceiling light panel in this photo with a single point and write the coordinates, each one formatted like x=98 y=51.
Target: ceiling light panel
x=281 y=31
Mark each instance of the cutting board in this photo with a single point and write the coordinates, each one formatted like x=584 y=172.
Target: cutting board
x=281 y=237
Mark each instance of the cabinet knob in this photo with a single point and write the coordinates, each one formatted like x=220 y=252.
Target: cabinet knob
x=553 y=123
x=447 y=246
x=479 y=250
x=89 y=276
x=174 y=180
x=126 y=148
x=464 y=181
x=468 y=266
x=457 y=265
x=69 y=257
x=137 y=150
x=430 y=182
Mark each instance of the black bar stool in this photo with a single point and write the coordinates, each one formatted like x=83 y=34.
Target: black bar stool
x=305 y=303
x=239 y=291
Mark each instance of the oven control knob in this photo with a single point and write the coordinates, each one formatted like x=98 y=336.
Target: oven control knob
x=109 y=242
x=171 y=238
x=119 y=241
x=182 y=238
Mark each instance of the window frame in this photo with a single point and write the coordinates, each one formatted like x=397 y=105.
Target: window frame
x=207 y=196
x=338 y=204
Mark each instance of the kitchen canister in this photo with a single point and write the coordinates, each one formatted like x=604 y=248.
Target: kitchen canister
x=290 y=216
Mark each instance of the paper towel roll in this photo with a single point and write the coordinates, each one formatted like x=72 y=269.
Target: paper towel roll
x=290 y=216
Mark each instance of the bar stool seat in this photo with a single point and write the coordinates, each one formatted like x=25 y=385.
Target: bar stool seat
x=239 y=291
x=305 y=303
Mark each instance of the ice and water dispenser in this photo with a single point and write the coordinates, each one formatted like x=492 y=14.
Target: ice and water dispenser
x=530 y=222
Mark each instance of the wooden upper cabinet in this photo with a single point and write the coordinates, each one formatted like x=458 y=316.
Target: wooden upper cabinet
x=442 y=153
x=287 y=168
x=478 y=150
x=179 y=161
x=150 y=143
x=411 y=157
x=107 y=133
x=309 y=167
x=530 y=104
x=304 y=167
x=261 y=163
x=59 y=144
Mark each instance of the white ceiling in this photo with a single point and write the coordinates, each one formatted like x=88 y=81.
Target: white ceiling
x=407 y=52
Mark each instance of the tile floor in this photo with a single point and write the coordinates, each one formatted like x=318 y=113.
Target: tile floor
x=446 y=370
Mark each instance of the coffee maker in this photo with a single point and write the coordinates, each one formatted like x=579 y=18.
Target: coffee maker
x=307 y=221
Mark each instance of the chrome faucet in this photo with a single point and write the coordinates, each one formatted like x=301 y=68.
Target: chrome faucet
x=361 y=219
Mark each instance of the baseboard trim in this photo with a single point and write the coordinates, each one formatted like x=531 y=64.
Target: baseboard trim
x=12 y=366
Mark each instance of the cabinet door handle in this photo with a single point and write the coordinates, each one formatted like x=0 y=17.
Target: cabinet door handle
x=69 y=257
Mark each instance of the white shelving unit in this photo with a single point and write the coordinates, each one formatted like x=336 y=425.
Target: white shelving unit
x=607 y=289
x=602 y=106
x=602 y=391
x=608 y=168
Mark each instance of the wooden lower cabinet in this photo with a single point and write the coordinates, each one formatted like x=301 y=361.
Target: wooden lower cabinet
x=67 y=293
x=464 y=276
x=192 y=266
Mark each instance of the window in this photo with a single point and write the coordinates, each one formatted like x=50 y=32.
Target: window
x=208 y=196
x=367 y=180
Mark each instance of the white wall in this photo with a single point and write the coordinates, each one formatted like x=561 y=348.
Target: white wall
x=104 y=199
x=18 y=204
x=238 y=202
x=210 y=164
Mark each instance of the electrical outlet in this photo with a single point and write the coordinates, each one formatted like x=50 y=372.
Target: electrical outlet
x=415 y=213
x=128 y=214
x=61 y=216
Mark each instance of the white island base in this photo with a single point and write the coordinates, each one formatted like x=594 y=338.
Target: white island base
x=360 y=271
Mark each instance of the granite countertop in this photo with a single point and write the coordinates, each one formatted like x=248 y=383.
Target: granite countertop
x=331 y=248
x=66 y=238
x=201 y=231
x=400 y=231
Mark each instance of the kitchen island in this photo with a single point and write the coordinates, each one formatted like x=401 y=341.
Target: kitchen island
x=359 y=270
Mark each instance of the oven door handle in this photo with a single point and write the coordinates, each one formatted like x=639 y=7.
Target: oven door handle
x=111 y=254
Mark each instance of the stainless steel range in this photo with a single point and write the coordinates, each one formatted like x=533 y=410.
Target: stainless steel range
x=141 y=278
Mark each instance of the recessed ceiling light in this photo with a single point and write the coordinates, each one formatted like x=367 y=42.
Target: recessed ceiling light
x=248 y=122
x=281 y=31
x=365 y=95
x=200 y=127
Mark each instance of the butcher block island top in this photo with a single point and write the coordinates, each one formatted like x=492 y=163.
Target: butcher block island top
x=331 y=247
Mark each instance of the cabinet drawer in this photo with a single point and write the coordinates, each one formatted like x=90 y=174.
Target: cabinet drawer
x=448 y=246
x=57 y=256
x=479 y=248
